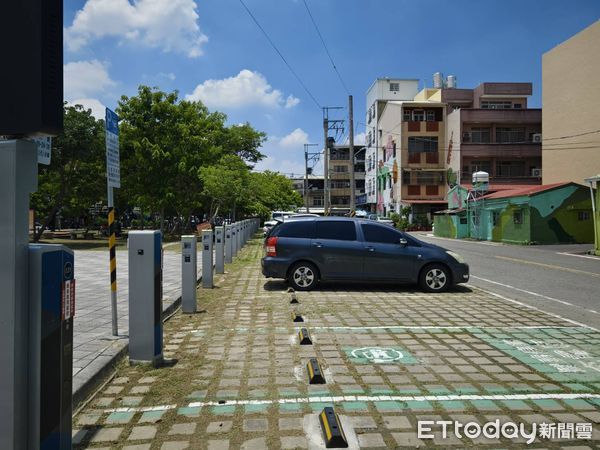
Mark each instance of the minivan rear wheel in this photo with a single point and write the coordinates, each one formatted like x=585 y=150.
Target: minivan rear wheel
x=435 y=278
x=303 y=276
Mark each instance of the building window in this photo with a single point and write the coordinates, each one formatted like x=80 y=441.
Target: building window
x=418 y=144
x=430 y=115
x=495 y=104
x=394 y=148
x=495 y=217
x=507 y=169
x=480 y=135
x=407 y=116
x=418 y=115
x=430 y=177
x=340 y=169
x=510 y=135
x=517 y=106
x=394 y=87
x=463 y=220
x=518 y=217
x=317 y=201
x=583 y=215
x=405 y=177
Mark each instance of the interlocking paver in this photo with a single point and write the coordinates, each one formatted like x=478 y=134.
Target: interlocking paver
x=241 y=377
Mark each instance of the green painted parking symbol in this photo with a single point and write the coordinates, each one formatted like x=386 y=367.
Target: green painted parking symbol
x=379 y=355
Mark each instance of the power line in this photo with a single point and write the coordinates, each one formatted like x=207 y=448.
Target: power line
x=326 y=49
x=280 y=55
x=572 y=136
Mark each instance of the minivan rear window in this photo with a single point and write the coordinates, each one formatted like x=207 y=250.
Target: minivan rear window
x=336 y=229
x=296 y=229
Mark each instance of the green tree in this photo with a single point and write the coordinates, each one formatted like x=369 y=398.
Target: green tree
x=75 y=179
x=224 y=184
x=269 y=191
x=165 y=142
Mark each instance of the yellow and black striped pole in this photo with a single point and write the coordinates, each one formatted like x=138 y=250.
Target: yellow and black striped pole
x=112 y=241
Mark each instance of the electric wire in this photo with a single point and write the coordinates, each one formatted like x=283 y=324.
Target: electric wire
x=280 y=54
x=326 y=49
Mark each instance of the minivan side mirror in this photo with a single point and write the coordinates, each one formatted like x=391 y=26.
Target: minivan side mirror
x=403 y=242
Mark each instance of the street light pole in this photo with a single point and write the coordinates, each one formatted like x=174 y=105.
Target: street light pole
x=351 y=151
x=306 y=178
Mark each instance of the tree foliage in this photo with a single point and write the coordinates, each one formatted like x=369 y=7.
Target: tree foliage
x=75 y=179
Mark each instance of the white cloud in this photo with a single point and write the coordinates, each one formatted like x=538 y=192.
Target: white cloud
x=247 y=88
x=359 y=139
x=171 y=25
x=296 y=138
x=291 y=101
x=98 y=109
x=284 y=166
x=86 y=78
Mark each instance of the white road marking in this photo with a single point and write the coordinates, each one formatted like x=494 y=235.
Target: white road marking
x=579 y=324
x=365 y=398
x=579 y=256
x=552 y=299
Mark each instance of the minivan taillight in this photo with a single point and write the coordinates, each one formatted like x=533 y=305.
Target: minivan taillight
x=272 y=246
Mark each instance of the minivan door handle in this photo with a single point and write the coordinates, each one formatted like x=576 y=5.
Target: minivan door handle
x=369 y=248
x=317 y=244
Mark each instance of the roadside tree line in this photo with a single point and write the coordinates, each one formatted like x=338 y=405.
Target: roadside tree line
x=178 y=159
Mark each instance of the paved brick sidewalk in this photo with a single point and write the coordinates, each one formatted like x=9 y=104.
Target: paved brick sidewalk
x=391 y=357
x=93 y=343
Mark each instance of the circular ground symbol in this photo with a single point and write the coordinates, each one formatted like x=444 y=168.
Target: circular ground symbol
x=377 y=354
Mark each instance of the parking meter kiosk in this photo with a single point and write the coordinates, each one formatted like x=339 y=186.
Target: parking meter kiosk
x=228 y=247
x=51 y=310
x=145 y=297
x=219 y=249
x=189 y=271
x=207 y=259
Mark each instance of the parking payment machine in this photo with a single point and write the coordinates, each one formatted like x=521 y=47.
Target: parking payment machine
x=145 y=297
x=219 y=250
x=227 y=249
x=189 y=271
x=51 y=311
x=207 y=259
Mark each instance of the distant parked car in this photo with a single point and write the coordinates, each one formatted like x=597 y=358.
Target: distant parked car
x=380 y=219
x=306 y=251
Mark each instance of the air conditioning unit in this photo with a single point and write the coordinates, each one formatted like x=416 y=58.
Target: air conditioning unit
x=537 y=138
x=536 y=173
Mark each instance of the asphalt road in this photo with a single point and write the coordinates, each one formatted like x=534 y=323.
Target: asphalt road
x=554 y=278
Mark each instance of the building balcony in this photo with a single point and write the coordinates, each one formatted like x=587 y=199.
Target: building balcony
x=428 y=192
x=509 y=180
x=429 y=160
x=523 y=150
x=501 y=116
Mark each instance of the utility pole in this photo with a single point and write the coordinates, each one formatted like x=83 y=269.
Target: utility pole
x=325 y=166
x=351 y=145
x=306 y=178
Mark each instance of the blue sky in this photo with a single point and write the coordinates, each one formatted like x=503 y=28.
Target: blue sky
x=212 y=50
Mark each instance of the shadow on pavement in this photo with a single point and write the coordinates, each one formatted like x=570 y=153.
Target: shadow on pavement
x=354 y=286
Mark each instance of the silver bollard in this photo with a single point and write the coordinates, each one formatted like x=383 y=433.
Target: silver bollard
x=239 y=237
x=145 y=297
x=189 y=273
x=207 y=259
x=234 y=246
x=219 y=250
x=228 y=257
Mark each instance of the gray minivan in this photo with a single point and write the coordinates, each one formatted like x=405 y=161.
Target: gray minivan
x=306 y=251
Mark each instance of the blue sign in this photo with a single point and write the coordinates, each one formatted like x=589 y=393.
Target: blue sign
x=112 y=122
x=113 y=167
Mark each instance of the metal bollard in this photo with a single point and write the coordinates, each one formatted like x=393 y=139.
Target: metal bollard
x=234 y=246
x=189 y=273
x=219 y=250
x=239 y=237
x=145 y=297
x=228 y=257
x=207 y=259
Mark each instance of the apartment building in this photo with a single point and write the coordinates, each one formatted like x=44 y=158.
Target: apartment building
x=412 y=164
x=340 y=190
x=570 y=97
x=491 y=128
x=379 y=93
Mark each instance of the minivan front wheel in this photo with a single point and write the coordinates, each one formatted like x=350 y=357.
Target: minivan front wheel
x=303 y=276
x=435 y=278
